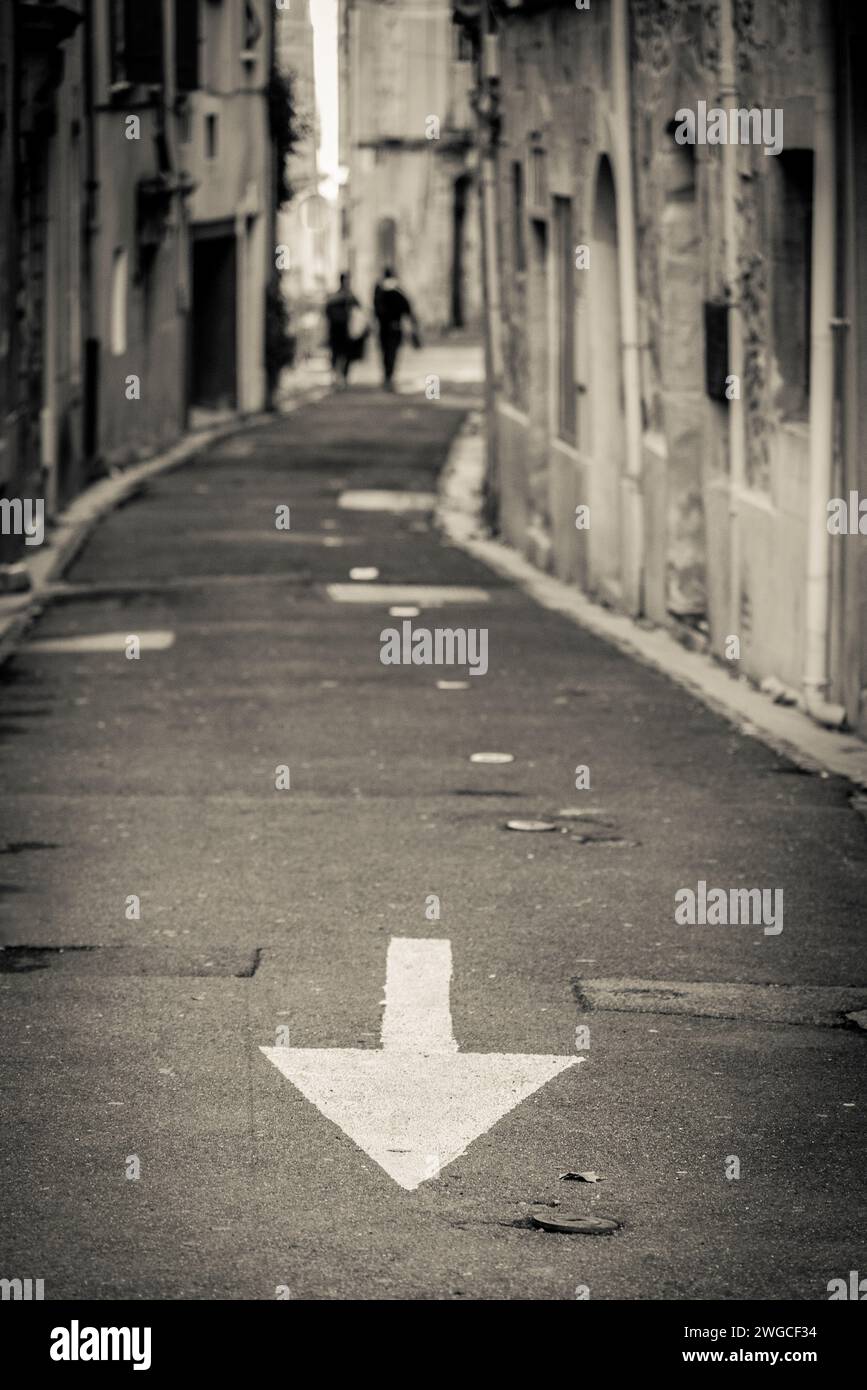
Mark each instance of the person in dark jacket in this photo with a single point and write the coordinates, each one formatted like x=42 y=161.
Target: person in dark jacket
x=391 y=307
x=338 y=309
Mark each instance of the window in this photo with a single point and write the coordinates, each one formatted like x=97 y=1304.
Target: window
x=211 y=136
x=252 y=27
x=185 y=123
x=136 y=38
x=565 y=283
x=519 y=246
x=186 y=45
x=538 y=178
x=119 y=278
x=792 y=250
x=386 y=243
x=463 y=45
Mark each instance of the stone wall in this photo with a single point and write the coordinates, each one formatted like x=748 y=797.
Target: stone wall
x=559 y=127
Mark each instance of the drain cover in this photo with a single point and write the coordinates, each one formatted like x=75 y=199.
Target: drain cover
x=576 y=1225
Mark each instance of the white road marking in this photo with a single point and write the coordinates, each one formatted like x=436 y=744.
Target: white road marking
x=157 y=641
x=382 y=500
x=417 y=1104
x=418 y=1016
x=362 y=574
x=263 y=535
x=422 y=595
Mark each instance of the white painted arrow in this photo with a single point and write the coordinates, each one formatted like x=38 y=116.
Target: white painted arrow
x=418 y=1103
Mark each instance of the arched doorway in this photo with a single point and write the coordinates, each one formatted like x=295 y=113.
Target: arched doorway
x=608 y=434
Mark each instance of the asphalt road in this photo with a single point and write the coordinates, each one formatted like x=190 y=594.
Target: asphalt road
x=266 y=917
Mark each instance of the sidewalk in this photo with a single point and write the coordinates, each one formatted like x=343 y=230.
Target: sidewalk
x=788 y=730
x=456 y=362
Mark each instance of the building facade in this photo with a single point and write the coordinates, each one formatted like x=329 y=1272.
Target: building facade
x=42 y=179
x=410 y=199
x=676 y=324
x=183 y=236
x=138 y=205
x=307 y=223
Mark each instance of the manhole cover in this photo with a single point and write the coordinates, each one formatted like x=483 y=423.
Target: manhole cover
x=576 y=1225
x=532 y=825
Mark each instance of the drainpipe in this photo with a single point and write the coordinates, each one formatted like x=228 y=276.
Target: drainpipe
x=737 y=465
x=490 y=78
x=628 y=283
x=486 y=104
x=822 y=318
x=90 y=326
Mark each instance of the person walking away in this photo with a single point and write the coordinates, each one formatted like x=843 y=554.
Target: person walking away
x=338 y=309
x=391 y=307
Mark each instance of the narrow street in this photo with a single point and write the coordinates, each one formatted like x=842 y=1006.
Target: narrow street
x=266 y=917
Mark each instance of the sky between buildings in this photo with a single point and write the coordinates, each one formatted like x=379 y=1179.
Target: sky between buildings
x=324 y=16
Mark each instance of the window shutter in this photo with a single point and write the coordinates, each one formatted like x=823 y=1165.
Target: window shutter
x=187 y=45
x=143 y=41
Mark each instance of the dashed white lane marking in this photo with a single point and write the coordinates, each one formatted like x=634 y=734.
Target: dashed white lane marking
x=417 y=1104
x=263 y=535
x=156 y=641
x=363 y=574
x=421 y=595
x=381 y=500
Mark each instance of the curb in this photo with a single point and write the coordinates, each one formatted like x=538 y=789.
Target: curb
x=785 y=729
x=72 y=528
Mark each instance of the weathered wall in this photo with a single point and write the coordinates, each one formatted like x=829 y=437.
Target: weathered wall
x=41 y=183
x=228 y=183
x=559 y=128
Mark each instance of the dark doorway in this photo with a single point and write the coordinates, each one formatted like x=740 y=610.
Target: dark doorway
x=608 y=427
x=462 y=186
x=212 y=346
x=386 y=244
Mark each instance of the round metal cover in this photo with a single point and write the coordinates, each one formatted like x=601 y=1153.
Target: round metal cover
x=576 y=1225
x=536 y=825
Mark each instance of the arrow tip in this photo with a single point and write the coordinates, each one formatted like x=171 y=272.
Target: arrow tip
x=414 y=1113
